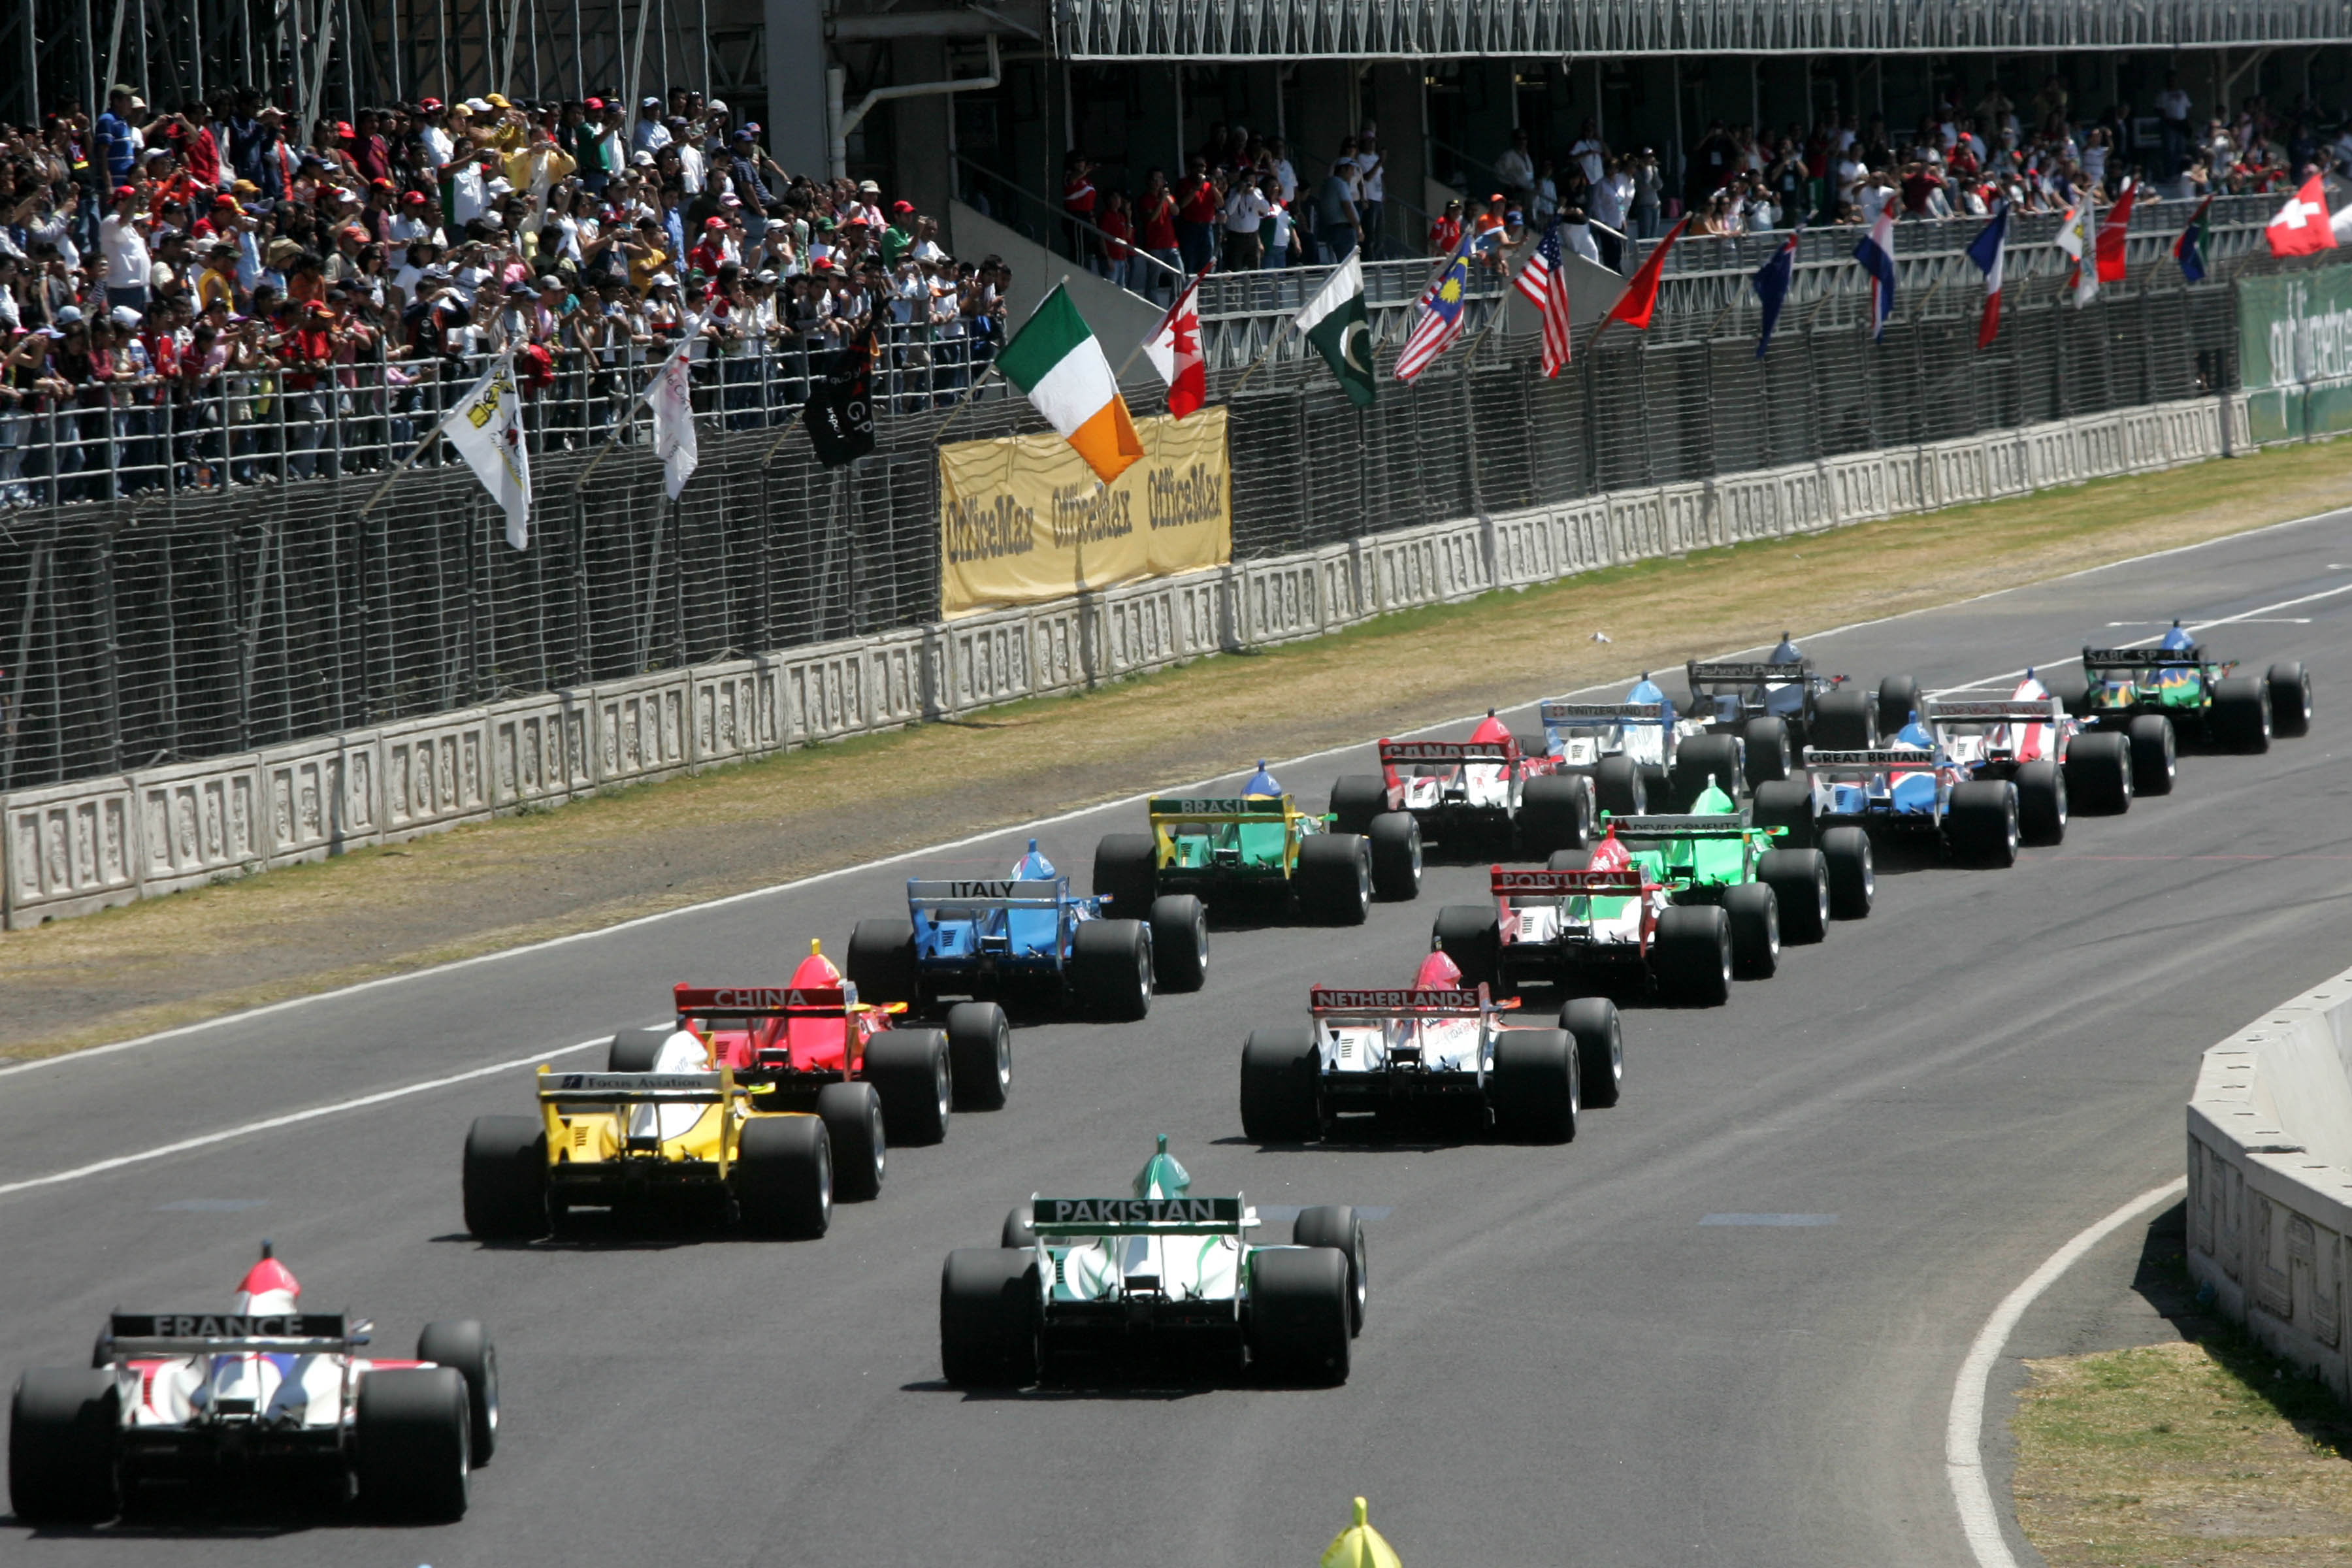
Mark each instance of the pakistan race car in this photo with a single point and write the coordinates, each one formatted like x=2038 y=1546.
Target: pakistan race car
x=195 y=1406
x=1258 y=846
x=2151 y=693
x=1813 y=709
x=1491 y=789
x=1435 y=1042
x=1075 y=1279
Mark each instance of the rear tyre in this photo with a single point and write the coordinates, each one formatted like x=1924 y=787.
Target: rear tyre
x=1472 y=936
x=506 y=1178
x=1179 y=943
x=1570 y=861
x=2040 y=803
x=857 y=1133
x=62 y=1427
x=1844 y=721
x=2070 y=686
x=2290 y=686
x=1618 y=787
x=1111 y=969
x=1785 y=804
x=988 y=1317
x=1593 y=1024
x=783 y=1176
x=1982 y=822
x=1755 y=915
x=1898 y=700
x=1853 y=872
x=1702 y=760
x=2242 y=715
x=1555 y=814
x=1126 y=872
x=1693 y=954
x=1299 y=1326
x=1356 y=799
x=1334 y=879
x=411 y=1435
x=909 y=1073
x=882 y=961
x=1336 y=1227
x=2152 y=750
x=1766 y=743
x=980 y=1055
x=1534 y=1085
x=1282 y=1099
x=1394 y=839
x=464 y=1346
x=1800 y=880
x=633 y=1049
x=1016 y=1231
x=2099 y=772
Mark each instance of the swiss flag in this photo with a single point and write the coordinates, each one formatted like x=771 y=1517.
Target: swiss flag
x=2301 y=227
x=1174 y=350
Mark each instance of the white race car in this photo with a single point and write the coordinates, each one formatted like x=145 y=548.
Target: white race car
x=199 y=1403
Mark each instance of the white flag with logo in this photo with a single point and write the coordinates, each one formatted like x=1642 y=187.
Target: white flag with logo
x=672 y=398
x=2076 y=238
x=487 y=429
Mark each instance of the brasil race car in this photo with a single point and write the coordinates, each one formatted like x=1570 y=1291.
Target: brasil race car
x=1435 y=1041
x=1028 y=938
x=1492 y=788
x=199 y=1406
x=1813 y=709
x=1256 y=846
x=1640 y=754
x=1161 y=1270
x=2150 y=693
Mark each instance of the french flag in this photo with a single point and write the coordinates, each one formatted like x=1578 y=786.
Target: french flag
x=1876 y=254
x=1988 y=250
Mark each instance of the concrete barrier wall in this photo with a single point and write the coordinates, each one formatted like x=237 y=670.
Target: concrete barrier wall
x=72 y=849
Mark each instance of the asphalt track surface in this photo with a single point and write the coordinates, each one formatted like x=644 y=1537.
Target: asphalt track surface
x=1561 y=1361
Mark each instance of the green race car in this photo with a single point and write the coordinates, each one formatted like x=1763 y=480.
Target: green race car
x=2150 y=695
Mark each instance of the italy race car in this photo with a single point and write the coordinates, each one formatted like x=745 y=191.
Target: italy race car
x=1734 y=697
x=1028 y=938
x=1490 y=789
x=1079 y=1280
x=1258 y=846
x=1435 y=1041
x=195 y=1406
x=2153 y=694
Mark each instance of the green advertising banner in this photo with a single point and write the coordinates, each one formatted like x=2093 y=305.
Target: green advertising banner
x=2294 y=353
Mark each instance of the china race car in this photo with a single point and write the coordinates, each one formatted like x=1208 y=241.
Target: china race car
x=1490 y=788
x=198 y=1405
x=1641 y=754
x=2150 y=693
x=1436 y=1040
x=1813 y=709
x=1028 y=937
x=1257 y=845
x=1159 y=1271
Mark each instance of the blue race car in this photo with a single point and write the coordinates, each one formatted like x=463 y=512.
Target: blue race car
x=1028 y=937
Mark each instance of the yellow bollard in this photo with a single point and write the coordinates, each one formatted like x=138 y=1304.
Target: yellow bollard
x=1360 y=1546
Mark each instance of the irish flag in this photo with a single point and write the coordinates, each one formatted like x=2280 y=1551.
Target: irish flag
x=1056 y=360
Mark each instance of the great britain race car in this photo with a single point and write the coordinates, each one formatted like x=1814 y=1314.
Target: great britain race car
x=1491 y=788
x=197 y=1406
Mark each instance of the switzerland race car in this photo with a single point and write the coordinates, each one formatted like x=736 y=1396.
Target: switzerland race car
x=1492 y=788
x=1812 y=710
x=1640 y=753
x=197 y=1406
x=1074 y=1279
x=2150 y=693
x=1259 y=846
x=1433 y=1042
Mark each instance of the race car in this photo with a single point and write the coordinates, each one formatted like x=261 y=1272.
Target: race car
x=1028 y=938
x=1438 y=1040
x=1732 y=695
x=1640 y=754
x=1258 y=845
x=2150 y=693
x=1074 y=1279
x=1927 y=786
x=763 y=1104
x=196 y=1406
x=1490 y=788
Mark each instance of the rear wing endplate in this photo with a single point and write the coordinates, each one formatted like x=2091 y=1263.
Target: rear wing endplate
x=1140 y=1217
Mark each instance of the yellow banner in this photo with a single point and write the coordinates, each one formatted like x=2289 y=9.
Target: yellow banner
x=1023 y=519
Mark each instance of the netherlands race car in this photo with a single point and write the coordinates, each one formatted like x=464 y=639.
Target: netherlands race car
x=1078 y=1278
x=2150 y=693
x=1492 y=788
x=196 y=1405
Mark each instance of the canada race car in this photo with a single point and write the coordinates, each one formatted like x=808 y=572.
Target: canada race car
x=1258 y=845
x=1491 y=788
x=197 y=1406
x=1436 y=1040
x=2152 y=693
x=1812 y=710
x=1028 y=937
x=1077 y=1278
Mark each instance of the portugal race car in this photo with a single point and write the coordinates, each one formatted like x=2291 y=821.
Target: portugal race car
x=197 y=1406
x=1258 y=846
x=1492 y=788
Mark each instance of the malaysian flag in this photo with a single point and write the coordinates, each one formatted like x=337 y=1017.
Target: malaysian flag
x=1441 y=313
x=1544 y=280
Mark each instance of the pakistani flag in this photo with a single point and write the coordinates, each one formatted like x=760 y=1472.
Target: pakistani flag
x=1334 y=322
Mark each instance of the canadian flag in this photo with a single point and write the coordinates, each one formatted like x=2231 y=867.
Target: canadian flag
x=2114 y=232
x=1174 y=350
x=2300 y=227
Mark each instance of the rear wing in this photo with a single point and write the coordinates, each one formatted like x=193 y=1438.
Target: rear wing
x=637 y=1087
x=2014 y=710
x=1223 y=808
x=1406 y=1002
x=2142 y=658
x=1622 y=884
x=1140 y=1217
x=1760 y=672
x=997 y=894
x=1871 y=762
x=129 y=1334
x=1683 y=826
x=1587 y=715
x=763 y=1001
x=1503 y=750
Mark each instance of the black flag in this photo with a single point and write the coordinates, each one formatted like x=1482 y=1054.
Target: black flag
x=840 y=411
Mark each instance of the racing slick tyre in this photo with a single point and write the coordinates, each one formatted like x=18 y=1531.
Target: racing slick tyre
x=1570 y=861
x=1356 y=799
x=1766 y=743
x=988 y=1317
x=1179 y=943
x=1844 y=721
x=2290 y=686
x=633 y=1049
x=2154 y=749
x=2099 y=772
x=783 y=1176
x=1472 y=936
x=1982 y=822
x=1800 y=880
x=1618 y=787
x=1754 y=912
x=909 y=1072
x=1898 y=700
x=980 y=1055
x=62 y=1436
x=464 y=1346
x=882 y=961
x=1334 y=879
x=1657 y=784
x=1111 y=969
x=1282 y=1100
x=1395 y=840
x=1702 y=760
x=411 y=1443
x=2071 y=687
x=506 y=1178
x=1340 y=1227
x=2041 y=801
x=1126 y=872
x=1694 y=956
x=1017 y=1231
x=1593 y=1023
x=1853 y=872
x=2242 y=715
x=1786 y=803
x=857 y=1132
x=1298 y=1314
x=1534 y=1091
x=1555 y=814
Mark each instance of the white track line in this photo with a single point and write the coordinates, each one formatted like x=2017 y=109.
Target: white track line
x=1964 y=1433
x=2257 y=613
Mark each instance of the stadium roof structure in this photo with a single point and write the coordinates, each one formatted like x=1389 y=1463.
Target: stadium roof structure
x=1453 y=29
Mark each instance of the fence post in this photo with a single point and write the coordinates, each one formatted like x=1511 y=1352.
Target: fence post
x=1470 y=444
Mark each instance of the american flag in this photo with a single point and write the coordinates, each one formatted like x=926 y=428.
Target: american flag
x=1441 y=313
x=1544 y=280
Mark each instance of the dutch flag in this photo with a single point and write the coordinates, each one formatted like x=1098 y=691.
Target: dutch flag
x=1876 y=254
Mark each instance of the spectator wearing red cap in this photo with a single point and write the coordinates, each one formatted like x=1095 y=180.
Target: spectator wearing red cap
x=124 y=248
x=899 y=237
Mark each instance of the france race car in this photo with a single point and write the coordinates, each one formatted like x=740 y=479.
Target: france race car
x=1080 y=1278
x=2151 y=693
x=1492 y=788
x=1435 y=1041
x=1258 y=846
x=1741 y=696
x=1028 y=938
x=199 y=1406
x=1640 y=754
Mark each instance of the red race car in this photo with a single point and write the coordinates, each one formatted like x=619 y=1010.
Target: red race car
x=1490 y=787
